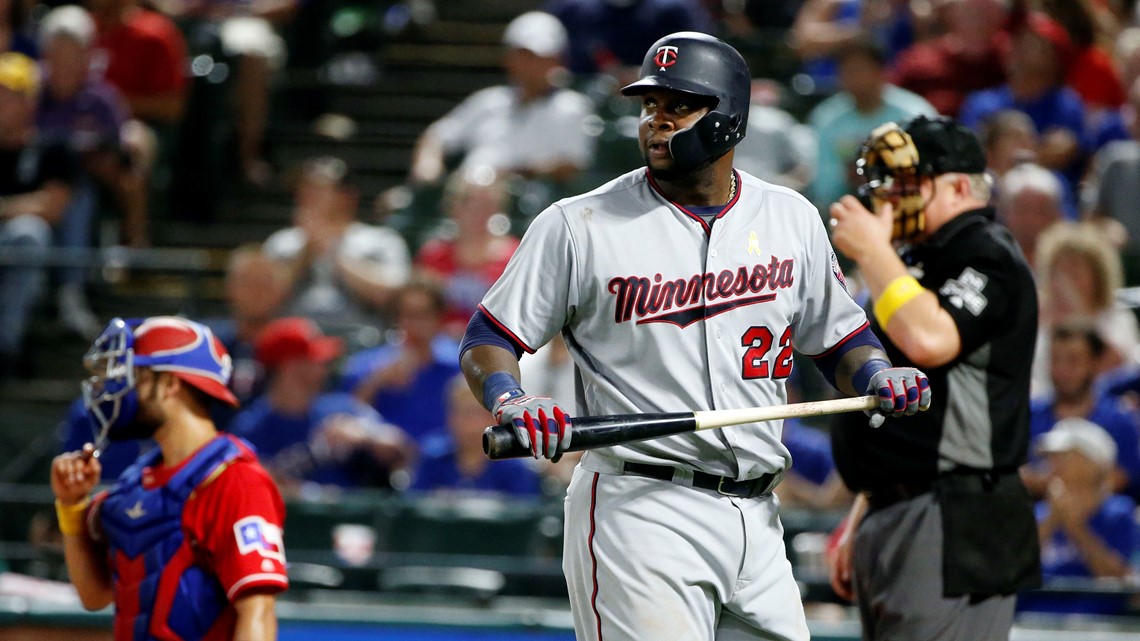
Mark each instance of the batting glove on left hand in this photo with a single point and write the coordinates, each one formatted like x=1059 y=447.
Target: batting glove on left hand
x=902 y=391
x=538 y=422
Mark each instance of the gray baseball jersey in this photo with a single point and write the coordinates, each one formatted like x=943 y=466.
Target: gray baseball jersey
x=665 y=313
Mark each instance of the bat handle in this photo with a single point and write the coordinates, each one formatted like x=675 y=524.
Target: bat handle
x=589 y=432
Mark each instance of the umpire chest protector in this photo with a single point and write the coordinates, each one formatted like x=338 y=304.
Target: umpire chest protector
x=162 y=590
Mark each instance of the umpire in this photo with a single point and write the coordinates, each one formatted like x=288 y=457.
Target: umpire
x=942 y=533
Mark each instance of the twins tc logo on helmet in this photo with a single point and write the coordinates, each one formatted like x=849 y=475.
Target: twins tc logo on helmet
x=666 y=57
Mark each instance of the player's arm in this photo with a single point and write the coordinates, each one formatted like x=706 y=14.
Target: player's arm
x=858 y=365
x=489 y=358
x=73 y=476
x=911 y=315
x=256 y=616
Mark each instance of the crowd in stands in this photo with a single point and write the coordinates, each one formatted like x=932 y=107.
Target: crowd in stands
x=344 y=333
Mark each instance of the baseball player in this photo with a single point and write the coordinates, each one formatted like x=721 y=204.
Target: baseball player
x=681 y=286
x=187 y=543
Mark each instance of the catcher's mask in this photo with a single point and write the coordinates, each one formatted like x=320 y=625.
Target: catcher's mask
x=894 y=160
x=184 y=348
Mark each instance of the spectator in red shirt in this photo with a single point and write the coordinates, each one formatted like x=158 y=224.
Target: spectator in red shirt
x=471 y=255
x=143 y=54
x=969 y=56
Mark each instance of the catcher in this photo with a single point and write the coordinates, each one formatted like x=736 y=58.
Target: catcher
x=942 y=533
x=187 y=544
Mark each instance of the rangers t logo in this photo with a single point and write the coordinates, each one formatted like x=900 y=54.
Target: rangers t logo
x=666 y=57
x=255 y=534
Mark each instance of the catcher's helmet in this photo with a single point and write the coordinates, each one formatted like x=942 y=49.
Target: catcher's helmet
x=182 y=347
x=700 y=64
x=894 y=160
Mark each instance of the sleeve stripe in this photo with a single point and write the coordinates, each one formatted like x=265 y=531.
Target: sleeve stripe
x=518 y=341
x=831 y=350
x=256 y=579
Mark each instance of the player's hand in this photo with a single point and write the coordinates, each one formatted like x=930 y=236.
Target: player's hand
x=539 y=424
x=902 y=391
x=74 y=475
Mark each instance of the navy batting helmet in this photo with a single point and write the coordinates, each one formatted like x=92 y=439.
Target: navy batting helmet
x=700 y=64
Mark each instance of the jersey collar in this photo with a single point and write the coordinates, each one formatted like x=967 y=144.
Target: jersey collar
x=690 y=214
x=960 y=222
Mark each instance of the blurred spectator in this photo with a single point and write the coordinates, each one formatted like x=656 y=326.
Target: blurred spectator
x=811 y=482
x=470 y=256
x=454 y=461
x=255 y=290
x=90 y=114
x=14 y=35
x=1078 y=271
x=776 y=147
x=1085 y=530
x=1029 y=201
x=841 y=122
x=342 y=272
x=823 y=28
x=966 y=57
x=509 y=127
x=1114 y=181
x=245 y=31
x=1127 y=54
x=1009 y=138
x=141 y=53
x=38 y=181
x=612 y=36
x=304 y=435
x=1092 y=73
x=1036 y=68
x=406 y=380
x=1075 y=354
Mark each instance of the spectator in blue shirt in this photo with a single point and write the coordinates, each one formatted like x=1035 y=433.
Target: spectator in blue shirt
x=609 y=36
x=1036 y=68
x=304 y=435
x=1085 y=530
x=406 y=380
x=454 y=460
x=1075 y=351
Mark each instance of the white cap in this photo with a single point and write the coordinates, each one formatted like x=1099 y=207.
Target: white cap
x=68 y=20
x=1079 y=435
x=537 y=32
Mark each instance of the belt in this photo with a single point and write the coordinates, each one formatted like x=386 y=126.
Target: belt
x=727 y=486
x=882 y=497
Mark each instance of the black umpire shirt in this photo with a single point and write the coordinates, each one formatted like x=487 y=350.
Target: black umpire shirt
x=979 y=414
x=966 y=449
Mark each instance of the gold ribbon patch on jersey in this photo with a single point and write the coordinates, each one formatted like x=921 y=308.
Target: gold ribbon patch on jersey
x=753 y=243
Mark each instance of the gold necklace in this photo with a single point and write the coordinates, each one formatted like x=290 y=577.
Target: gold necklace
x=732 y=188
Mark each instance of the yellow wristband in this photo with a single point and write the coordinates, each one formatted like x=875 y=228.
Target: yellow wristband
x=898 y=292
x=71 y=517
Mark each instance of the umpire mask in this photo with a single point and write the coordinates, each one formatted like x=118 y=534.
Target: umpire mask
x=889 y=166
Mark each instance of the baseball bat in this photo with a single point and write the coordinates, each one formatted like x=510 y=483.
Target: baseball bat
x=591 y=432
